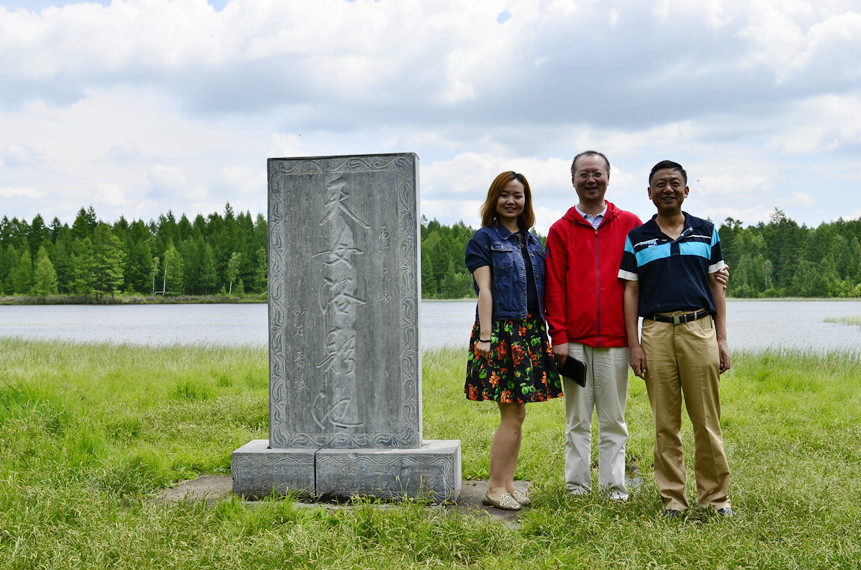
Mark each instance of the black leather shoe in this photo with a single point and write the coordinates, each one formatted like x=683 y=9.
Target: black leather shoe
x=725 y=512
x=673 y=514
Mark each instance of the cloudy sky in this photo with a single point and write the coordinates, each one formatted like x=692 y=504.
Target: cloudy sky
x=137 y=107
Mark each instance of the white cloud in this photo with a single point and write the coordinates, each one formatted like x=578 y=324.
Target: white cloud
x=165 y=180
x=107 y=193
x=16 y=155
x=126 y=151
x=613 y=17
x=804 y=199
x=819 y=126
x=20 y=192
x=144 y=106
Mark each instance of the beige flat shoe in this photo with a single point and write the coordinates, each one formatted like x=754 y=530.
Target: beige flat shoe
x=505 y=502
x=521 y=497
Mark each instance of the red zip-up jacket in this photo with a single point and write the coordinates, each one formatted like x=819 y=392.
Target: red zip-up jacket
x=582 y=294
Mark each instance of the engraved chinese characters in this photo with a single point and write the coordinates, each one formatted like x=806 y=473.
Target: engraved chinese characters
x=335 y=405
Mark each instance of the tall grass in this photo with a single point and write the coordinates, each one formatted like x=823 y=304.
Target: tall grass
x=90 y=433
x=845 y=320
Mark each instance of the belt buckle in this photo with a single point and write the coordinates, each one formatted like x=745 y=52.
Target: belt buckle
x=679 y=320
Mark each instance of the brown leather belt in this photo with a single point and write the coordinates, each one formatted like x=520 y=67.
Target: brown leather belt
x=680 y=319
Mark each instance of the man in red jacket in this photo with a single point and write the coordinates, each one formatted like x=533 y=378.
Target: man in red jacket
x=583 y=304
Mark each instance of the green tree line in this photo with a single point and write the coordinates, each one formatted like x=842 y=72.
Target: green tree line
x=783 y=259
x=227 y=254
x=444 y=274
x=221 y=253
x=774 y=259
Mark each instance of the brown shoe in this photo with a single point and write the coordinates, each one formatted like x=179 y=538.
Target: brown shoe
x=505 y=502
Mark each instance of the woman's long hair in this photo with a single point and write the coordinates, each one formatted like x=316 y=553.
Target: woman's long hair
x=526 y=219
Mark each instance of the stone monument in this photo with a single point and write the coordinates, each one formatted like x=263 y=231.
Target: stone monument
x=345 y=410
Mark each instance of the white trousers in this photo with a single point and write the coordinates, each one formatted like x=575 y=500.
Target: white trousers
x=606 y=392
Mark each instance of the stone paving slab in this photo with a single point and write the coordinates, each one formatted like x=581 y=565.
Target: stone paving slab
x=213 y=488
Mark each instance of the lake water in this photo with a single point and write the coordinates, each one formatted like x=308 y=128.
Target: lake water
x=752 y=325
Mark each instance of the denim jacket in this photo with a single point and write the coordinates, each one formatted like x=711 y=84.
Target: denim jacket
x=498 y=248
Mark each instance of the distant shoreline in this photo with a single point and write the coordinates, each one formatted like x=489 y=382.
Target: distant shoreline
x=233 y=299
x=131 y=300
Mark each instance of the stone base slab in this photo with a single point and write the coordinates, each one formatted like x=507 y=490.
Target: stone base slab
x=432 y=471
x=259 y=471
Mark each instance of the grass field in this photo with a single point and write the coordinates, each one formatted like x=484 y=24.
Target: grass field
x=90 y=433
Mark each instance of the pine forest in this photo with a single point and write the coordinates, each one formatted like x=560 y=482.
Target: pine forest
x=225 y=255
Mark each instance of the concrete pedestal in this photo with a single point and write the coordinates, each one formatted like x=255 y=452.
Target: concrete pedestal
x=432 y=471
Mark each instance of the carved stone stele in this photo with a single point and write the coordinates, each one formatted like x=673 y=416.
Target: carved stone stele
x=344 y=352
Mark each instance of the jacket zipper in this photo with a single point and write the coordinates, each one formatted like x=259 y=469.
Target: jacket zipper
x=598 y=289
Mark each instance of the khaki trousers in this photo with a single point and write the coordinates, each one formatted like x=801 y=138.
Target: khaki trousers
x=605 y=394
x=683 y=360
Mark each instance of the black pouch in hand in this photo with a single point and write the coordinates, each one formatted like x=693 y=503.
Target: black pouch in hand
x=575 y=370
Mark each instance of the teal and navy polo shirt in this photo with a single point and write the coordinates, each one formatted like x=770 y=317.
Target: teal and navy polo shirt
x=673 y=274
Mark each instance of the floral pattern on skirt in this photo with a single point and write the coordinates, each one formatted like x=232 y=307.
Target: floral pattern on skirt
x=520 y=369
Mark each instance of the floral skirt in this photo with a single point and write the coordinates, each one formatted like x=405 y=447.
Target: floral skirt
x=520 y=369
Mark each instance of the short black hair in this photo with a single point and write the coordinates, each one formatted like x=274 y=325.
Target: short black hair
x=672 y=166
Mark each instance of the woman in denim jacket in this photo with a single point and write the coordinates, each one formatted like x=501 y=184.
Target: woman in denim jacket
x=510 y=361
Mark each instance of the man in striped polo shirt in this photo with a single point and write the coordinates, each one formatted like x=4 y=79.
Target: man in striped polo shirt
x=669 y=268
